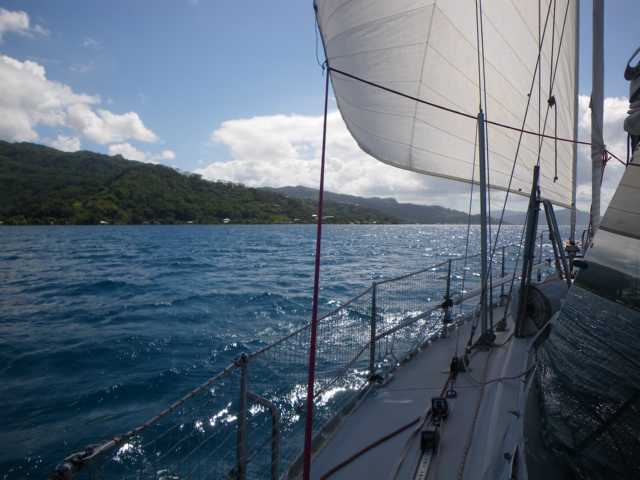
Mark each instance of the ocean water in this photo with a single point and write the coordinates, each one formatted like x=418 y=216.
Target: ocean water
x=103 y=327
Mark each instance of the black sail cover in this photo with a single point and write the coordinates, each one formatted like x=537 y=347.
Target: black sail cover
x=589 y=368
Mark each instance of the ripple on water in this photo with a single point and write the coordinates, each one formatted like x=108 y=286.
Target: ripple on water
x=101 y=327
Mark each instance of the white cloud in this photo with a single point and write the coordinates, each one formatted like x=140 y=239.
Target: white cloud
x=64 y=143
x=35 y=100
x=103 y=126
x=18 y=22
x=615 y=138
x=82 y=67
x=40 y=30
x=91 y=43
x=615 y=111
x=130 y=152
x=165 y=155
x=279 y=150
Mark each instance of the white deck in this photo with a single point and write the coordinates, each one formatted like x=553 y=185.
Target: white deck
x=483 y=423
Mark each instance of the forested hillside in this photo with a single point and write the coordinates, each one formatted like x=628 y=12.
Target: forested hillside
x=41 y=185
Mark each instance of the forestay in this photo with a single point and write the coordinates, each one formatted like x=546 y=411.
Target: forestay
x=428 y=49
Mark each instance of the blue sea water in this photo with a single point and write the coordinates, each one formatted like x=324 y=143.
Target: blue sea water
x=103 y=327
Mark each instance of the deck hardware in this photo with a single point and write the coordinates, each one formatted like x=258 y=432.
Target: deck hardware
x=447 y=303
x=501 y=325
x=485 y=342
x=241 y=447
x=503 y=271
x=562 y=262
x=572 y=250
x=528 y=253
x=429 y=440
x=457 y=365
x=581 y=264
x=372 y=339
x=439 y=410
x=451 y=392
x=275 y=431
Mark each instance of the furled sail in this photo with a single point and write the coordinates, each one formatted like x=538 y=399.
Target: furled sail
x=428 y=49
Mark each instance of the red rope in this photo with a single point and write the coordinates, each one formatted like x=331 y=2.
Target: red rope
x=308 y=432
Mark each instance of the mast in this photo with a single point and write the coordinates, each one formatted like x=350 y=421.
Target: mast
x=597 y=106
x=574 y=178
x=483 y=223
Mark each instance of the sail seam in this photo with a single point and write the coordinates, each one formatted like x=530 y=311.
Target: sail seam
x=419 y=89
x=474 y=47
x=527 y=150
x=458 y=112
x=342 y=5
x=411 y=146
x=493 y=68
x=449 y=177
x=375 y=21
x=376 y=50
x=537 y=71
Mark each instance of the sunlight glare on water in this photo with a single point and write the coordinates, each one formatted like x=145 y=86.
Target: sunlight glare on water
x=103 y=327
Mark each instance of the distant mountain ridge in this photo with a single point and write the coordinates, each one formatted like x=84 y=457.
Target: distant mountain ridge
x=42 y=185
x=404 y=212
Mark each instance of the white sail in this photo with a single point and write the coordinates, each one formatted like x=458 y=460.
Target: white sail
x=428 y=50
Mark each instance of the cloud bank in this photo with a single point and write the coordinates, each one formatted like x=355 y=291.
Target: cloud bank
x=32 y=100
x=37 y=101
x=279 y=150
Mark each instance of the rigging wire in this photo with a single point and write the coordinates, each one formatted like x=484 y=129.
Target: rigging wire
x=544 y=128
x=515 y=267
x=500 y=379
x=487 y=157
x=553 y=44
x=476 y=319
x=536 y=71
x=466 y=246
x=541 y=141
x=520 y=130
x=552 y=99
x=438 y=106
x=316 y=290
x=542 y=34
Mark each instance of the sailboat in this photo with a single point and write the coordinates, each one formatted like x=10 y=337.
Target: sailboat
x=425 y=86
x=527 y=378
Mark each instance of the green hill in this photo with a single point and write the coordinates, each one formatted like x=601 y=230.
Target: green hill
x=41 y=185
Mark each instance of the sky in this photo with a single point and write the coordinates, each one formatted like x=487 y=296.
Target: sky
x=230 y=89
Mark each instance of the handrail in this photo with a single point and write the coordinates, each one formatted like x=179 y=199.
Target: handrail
x=76 y=461
x=368 y=312
x=307 y=325
x=455 y=300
